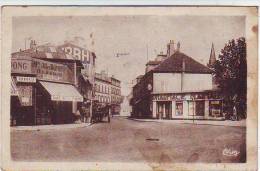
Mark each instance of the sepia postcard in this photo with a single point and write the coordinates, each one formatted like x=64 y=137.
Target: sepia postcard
x=129 y=88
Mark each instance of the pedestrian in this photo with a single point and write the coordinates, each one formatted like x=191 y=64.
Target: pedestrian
x=235 y=112
x=78 y=115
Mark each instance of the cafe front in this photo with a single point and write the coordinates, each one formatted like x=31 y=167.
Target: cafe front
x=44 y=92
x=189 y=105
x=55 y=103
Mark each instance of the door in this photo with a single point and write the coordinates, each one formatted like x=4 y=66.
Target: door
x=159 y=113
x=200 y=108
x=168 y=110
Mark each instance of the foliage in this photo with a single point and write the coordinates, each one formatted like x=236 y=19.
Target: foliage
x=230 y=72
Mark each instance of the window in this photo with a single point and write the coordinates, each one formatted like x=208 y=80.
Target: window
x=215 y=108
x=179 y=108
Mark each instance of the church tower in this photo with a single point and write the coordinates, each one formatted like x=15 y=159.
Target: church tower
x=212 y=58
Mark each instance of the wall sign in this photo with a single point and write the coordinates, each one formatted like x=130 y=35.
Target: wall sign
x=26 y=79
x=21 y=66
x=66 y=98
x=80 y=53
x=164 y=97
x=44 y=70
x=25 y=95
x=50 y=71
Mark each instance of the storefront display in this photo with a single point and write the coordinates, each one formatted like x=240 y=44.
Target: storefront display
x=187 y=105
x=179 y=108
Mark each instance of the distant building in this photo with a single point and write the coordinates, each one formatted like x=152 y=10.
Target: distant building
x=102 y=88
x=108 y=92
x=177 y=88
x=116 y=97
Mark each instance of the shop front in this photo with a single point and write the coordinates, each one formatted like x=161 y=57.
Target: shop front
x=55 y=103
x=200 y=105
x=22 y=100
x=43 y=92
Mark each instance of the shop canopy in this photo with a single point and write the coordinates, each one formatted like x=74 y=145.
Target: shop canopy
x=62 y=92
x=14 y=90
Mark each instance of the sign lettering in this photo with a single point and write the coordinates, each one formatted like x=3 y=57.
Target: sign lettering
x=20 y=66
x=26 y=79
x=80 y=53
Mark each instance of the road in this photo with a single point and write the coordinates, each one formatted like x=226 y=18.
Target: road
x=125 y=140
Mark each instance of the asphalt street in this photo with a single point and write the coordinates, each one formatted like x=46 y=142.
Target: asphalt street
x=124 y=140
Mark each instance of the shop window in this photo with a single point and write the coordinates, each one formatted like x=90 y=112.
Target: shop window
x=179 y=108
x=200 y=108
x=215 y=108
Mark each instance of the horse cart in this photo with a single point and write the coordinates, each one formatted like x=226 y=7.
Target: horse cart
x=101 y=112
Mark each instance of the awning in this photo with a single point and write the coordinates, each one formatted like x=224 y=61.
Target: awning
x=14 y=90
x=62 y=92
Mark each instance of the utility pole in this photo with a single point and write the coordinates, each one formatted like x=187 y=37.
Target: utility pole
x=147 y=53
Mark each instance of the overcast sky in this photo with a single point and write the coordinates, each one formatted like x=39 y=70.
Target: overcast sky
x=131 y=34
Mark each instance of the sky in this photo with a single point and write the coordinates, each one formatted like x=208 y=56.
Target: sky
x=141 y=37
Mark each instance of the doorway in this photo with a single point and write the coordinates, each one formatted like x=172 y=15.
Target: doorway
x=164 y=110
x=200 y=108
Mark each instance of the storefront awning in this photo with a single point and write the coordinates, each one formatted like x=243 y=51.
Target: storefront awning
x=62 y=92
x=14 y=90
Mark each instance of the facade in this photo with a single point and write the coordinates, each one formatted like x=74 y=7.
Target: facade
x=48 y=86
x=108 y=92
x=116 y=98
x=102 y=88
x=177 y=88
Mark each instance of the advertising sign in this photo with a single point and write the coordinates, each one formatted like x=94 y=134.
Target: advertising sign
x=66 y=98
x=50 y=71
x=21 y=66
x=79 y=53
x=25 y=95
x=26 y=79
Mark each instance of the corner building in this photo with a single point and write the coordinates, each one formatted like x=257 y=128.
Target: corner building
x=177 y=88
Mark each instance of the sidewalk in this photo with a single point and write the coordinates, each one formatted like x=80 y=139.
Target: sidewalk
x=49 y=127
x=241 y=123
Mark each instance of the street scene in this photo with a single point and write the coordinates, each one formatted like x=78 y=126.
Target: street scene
x=125 y=140
x=111 y=89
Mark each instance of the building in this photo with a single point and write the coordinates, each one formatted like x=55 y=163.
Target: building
x=102 y=88
x=177 y=88
x=48 y=86
x=116 y=98
x=108 y=92
x=86 y=78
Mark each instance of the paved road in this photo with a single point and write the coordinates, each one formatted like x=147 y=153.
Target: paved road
x=126 y=140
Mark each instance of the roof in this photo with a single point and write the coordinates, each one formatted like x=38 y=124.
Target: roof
x=180 y=62
x=48 y=52
x=139 y=76
x=153 y=62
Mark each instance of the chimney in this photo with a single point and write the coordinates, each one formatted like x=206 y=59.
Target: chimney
x=32 y=44
x=170 y=48
x=178 y=47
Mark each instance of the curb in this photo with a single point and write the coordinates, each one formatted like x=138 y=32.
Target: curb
x=195 y=123
x=49 y=127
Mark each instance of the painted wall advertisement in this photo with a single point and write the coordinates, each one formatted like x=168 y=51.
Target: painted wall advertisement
x=44 y=70
x=25 y=95
x=21 y=65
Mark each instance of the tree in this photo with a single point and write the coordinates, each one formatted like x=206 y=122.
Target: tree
x=230 y=72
